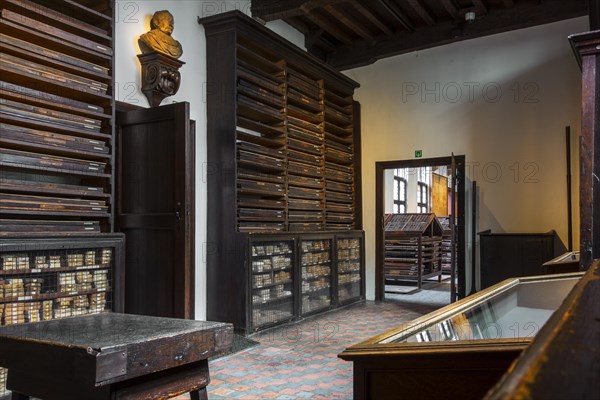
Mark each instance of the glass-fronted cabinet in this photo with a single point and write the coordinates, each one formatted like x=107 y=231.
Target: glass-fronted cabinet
x=315 y=265
x=467 y=345
x=44 y=279
x=272 y=281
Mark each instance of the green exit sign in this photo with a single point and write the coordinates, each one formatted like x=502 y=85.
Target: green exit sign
x=418 y=153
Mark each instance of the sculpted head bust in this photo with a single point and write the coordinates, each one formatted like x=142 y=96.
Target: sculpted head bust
x=159 y=37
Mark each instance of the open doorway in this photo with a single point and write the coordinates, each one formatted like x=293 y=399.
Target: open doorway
x=420 y=226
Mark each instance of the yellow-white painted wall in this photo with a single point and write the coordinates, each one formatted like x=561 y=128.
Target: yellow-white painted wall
x=503 y=101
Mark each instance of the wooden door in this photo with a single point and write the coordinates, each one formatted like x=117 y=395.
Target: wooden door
x=155 y=209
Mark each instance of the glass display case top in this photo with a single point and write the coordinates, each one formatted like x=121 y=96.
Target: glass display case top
x=513 y=311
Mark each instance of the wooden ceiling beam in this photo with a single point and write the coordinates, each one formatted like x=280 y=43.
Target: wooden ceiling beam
x=333 y=29
x=397 y=13
x=423 y=13
x=523 y=15
x=350 y=22
x=480 y=7
x=369 y=15
x=270 y=10
x=451 y=8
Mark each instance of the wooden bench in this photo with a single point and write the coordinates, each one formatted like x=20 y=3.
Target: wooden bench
x=111 y=356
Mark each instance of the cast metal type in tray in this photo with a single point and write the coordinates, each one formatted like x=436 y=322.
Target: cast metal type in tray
x=304 y=115
x=304 y=227
x=304 y=124
x=304 y=193
x=306 y=147
x=262 y=176
x=339 y=197
x=260 y=188
x=256 y=148
x=337 y=145
x=297 y=215
x=253 y=202
x=10 y=227
x=338 y=156
x=53 y=57
x=338 y=217
x=23 y=159
x=271 y=129
x=255 y=109
x=332 y=207
x=338 y=167
x=32 y=95
x=334 y=175
x=306 y=182
x=262 y=63
x=26 y=186
x=337 y=130
x=297 y=168
x=252 y=74
x=262 y=161
x=337 y=117
x=263 y=95
x=45 y=114
x=305 y=158
x=34 y=138
x=58 y=77
x=300 y=99
x=303 y=204
x=304 y=135
x=260 y=226
x=338 y=187
x=258 y=214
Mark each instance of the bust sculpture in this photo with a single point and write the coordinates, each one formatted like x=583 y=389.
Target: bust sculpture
x=159 y=37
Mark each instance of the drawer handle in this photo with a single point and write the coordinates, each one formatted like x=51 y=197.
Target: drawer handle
x=179 y=357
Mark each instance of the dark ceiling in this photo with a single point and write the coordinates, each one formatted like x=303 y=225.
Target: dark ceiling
x=353 y=33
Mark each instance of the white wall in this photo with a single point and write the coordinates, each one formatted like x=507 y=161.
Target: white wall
x=133 y=19
x=503 y=101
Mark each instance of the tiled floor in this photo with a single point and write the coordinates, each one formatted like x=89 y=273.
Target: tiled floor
x=300 y=361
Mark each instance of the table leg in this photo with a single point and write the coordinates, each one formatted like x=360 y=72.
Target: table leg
x=19 y=396
x=200 y=394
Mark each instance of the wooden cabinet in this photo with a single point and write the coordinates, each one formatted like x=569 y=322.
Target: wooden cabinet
x=45 y=279
x=508 y=255
x=56 y=146
x=291 y=276
x=57 y=160
x=413 y=248
x=465 y=347
x=283 y=161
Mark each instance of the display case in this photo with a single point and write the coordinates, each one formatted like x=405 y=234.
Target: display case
x=46 y=279
x=464 y=347
x=350 y=259
x=316 y=261
x=272 y=281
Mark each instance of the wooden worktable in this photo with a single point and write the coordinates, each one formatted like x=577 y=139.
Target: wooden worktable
x=111 y=356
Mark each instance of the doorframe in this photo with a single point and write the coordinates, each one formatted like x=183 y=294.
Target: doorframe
x=380 y=168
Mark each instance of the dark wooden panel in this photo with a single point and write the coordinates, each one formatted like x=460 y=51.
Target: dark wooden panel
x=155 y=209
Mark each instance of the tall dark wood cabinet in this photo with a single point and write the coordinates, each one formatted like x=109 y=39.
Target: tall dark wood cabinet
x=587 y=50
x=59 y=256
x=156 y=164
x=283 y=175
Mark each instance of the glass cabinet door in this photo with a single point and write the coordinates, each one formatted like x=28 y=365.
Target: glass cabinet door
x=348 y=269
x=315 y=265
x=272 y=280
